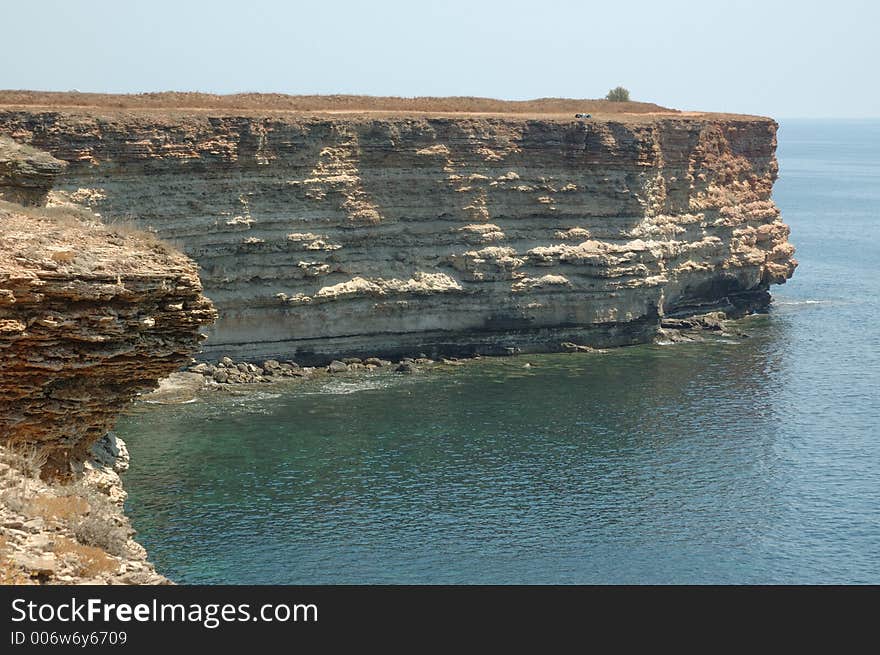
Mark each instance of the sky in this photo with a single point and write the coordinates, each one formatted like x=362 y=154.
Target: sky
x=779 y=58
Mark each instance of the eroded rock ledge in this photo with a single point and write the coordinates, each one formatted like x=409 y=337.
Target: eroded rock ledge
x=26 y=174
x=323 y=236
x=89 y=316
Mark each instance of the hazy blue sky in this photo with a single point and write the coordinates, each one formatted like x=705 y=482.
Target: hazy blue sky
x=783 y=59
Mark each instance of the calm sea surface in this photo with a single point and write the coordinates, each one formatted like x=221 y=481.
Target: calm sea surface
x=734 y=461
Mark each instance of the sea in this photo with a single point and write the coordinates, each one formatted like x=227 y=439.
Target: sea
x=746 y=459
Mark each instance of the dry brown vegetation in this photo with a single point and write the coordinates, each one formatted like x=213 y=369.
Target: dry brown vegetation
x=127 y=229
x=87 y=513
x=67 y=215
x=57 y=508
x=88 y=560
x=64 y=533
x=65 y=223
x=323 y=103
x=86 y=529
x=27 y=459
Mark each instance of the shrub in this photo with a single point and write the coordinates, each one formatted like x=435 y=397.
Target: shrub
x=101 y=525
x=94 y=529
x=27 y=460
x=63 y=508
x=618 y=94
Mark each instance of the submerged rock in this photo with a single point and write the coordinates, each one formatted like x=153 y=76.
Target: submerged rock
x=179 y=387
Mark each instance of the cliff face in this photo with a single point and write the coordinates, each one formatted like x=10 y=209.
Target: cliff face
x=379 y=234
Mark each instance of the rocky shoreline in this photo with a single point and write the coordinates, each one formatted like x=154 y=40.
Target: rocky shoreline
x=228 y=371
x=228 y=374
x=410 y=240
x=69 y=532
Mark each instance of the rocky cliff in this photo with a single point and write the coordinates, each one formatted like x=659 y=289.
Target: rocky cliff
x=376 y=233
x=89 y=317
x=26 y=174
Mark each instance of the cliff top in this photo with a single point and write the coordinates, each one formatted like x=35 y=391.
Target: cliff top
x=174 y=102
x=69 y=240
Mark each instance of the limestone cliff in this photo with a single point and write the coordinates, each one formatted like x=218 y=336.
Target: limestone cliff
x=375 y=233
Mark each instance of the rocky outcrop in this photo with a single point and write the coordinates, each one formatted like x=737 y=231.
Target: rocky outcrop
x=322 y=236
x=69 y=533
x=89 y=316
x=26 y=174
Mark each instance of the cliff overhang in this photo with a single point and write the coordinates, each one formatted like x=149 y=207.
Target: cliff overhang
x=90 y=315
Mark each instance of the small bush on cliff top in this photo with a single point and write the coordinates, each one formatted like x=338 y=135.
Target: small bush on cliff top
x=618 y=94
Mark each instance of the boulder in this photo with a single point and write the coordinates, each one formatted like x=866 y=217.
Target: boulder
x=45 y=564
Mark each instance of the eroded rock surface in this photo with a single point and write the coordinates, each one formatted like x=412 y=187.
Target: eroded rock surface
x=69 y=533
x=328 y=236
x=90 y=315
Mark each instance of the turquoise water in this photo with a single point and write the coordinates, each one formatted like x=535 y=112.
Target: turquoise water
x=748 y=460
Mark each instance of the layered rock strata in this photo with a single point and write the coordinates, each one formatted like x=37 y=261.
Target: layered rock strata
x=26 y=174
x=90 y=316
x=325 y=236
